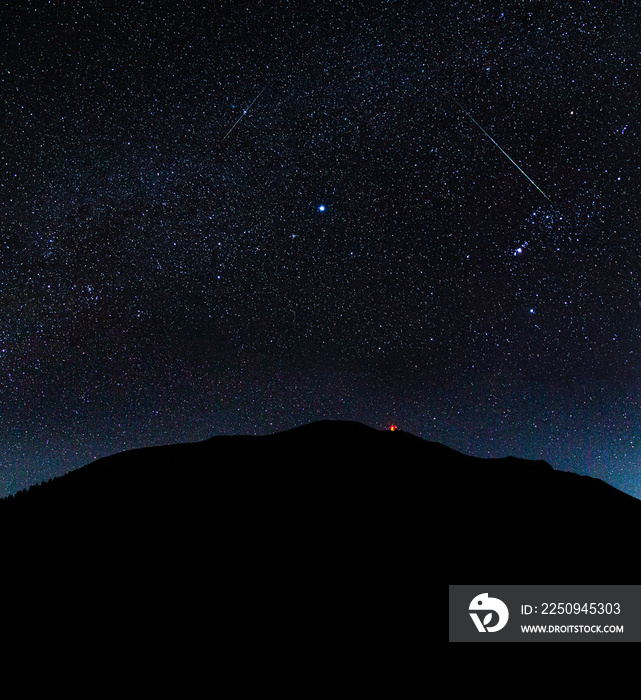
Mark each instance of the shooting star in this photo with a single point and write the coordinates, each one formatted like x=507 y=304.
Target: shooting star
x=244 y=112
x=516 y=165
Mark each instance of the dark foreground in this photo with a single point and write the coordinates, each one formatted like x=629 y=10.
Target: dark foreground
x=331 y=531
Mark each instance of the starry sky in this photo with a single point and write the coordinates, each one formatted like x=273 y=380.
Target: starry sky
x=235 y=218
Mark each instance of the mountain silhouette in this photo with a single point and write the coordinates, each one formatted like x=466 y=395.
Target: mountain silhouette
x=339 y=496
x=317 y=549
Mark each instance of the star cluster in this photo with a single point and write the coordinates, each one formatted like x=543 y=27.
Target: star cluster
x=236 y=218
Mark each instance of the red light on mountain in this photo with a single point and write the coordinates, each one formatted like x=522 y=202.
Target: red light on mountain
x=393 y=427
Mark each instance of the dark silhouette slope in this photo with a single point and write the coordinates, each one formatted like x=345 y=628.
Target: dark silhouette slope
x=316 y=550
x=374 y=505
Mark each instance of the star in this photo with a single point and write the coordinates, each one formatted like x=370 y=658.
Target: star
x=182 y=221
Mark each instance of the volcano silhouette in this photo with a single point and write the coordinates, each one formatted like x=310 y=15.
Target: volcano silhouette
x=334 y=499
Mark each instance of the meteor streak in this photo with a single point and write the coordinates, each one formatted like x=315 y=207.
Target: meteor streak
x=244 y=112
x=516 y=165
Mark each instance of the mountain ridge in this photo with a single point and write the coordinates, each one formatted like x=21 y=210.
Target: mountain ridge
x=346 y=477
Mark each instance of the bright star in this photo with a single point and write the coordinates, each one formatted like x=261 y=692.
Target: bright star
x=321 y=208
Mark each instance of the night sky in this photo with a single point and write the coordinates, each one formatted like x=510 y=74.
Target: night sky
x=236 y=218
